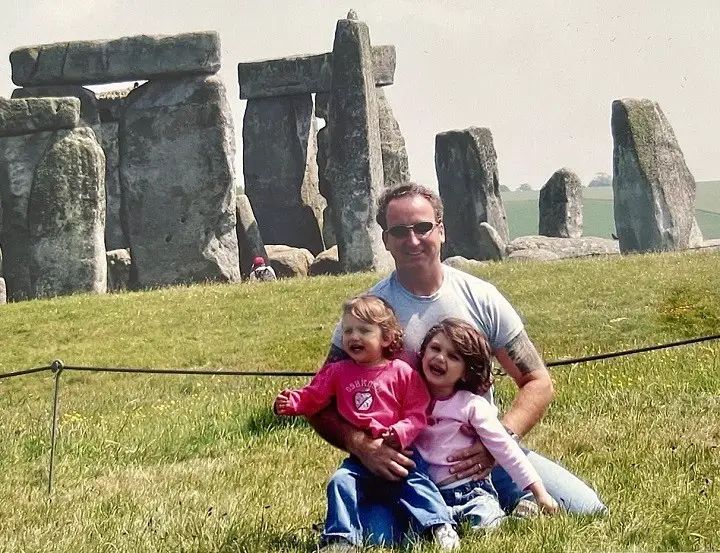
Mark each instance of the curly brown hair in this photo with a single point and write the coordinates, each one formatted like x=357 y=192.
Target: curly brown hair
x=474 y=349
x=375 y=310
x=407 y=189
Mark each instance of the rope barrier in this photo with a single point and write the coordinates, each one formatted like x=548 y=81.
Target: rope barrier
x=220 y=372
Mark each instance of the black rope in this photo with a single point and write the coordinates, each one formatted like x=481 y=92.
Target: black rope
x=216 y=372
x=26 y=371
x=600 y=356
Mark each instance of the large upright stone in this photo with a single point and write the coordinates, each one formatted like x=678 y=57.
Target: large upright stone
x=177 y=149
x=561 y=206
x=19 y=156
x=31 y=115
x=250 y=242
x=111 y=61
x=396 y=169
x=277 y=134
x=468 y=182
x=355 y=164
x=66 y=218
x=305 y=74
x=653 y=189
x=111 y=105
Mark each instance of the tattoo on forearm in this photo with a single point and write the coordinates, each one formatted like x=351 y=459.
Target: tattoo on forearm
x=335 y=354
x=524 y=354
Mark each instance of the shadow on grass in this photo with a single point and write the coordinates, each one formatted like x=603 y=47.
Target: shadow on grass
x=264 y=421
x=264 y=538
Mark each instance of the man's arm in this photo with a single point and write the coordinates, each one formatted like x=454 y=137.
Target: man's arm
x=377 y=457
x=523 y=363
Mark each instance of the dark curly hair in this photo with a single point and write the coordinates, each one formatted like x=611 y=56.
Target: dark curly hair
x=474 y=349
x=375 y=310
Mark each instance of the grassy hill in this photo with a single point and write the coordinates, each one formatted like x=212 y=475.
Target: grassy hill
x=522 y=211
x=198 y=463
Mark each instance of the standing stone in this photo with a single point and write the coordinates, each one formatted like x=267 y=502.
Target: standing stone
x=396 y=169
x=355 y=164
x=492 y=242
x=66 y=218
x=19 y=156
x=561 y=209
x=653 y=189
x=119 y=266
x=250 y=241
x=468 y=182
x=276 y=137
x=111 y=104
x=322 y=104
x=176 y=169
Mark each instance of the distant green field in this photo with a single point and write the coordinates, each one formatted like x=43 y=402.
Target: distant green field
x=522 y=211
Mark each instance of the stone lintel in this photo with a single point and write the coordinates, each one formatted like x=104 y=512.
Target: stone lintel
x=119 y=60
x=31 y=115
x=304 y=74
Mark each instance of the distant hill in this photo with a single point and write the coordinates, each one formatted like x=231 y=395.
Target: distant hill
x=522 y=211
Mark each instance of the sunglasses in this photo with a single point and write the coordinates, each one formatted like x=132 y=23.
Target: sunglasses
x=419 y=229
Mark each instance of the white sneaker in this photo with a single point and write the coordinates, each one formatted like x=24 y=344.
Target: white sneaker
x=526 y=508
x=446 y=537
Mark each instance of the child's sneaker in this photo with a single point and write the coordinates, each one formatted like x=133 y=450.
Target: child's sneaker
x=446 y=537
x=526 y=508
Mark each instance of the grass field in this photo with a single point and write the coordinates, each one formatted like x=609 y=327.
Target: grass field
x=522 y=211
x=190 y=463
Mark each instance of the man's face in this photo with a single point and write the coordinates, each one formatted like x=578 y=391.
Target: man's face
x=414 y=250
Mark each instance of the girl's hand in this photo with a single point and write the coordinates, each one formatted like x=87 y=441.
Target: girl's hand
x=281 y=406
x=547 y=504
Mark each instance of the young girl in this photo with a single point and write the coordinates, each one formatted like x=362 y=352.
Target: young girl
x=389 y=400
x=456 y=360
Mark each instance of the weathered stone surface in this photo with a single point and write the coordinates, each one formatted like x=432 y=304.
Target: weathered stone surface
x=653 y=189
x=289 y=262
x=119 y=60
x=66 y=217
x=538 y=254
x=396 y=169
x=305 y=74
x=89 y=112
x=31 y=115
x=3 y=292
x=19 y=156
x=563 y=247
x=280 y=169
x=328 y=230
x=326 y=263
x=250 y=242
x=310 y=190
x=118 y=270
x=177 y=177
x=459 y=262
x=355 y=164
x=468 y=182
x=116 y=221
x=561 y=206
x=492 y=243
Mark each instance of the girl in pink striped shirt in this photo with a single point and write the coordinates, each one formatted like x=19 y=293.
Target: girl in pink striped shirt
x=388 y=399
x=456 y=361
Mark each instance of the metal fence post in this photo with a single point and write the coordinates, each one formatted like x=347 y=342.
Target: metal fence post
x=56 y=367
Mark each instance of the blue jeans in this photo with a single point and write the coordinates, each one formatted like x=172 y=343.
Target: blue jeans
x=353 y=488
x=476 y=503
x=382 y=525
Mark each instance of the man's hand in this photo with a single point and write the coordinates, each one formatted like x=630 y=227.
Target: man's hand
x=474 y=461
x=390 y=437
x=379 y=458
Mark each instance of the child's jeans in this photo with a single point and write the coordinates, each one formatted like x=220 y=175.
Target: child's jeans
x=475 y=502
x=352 y=483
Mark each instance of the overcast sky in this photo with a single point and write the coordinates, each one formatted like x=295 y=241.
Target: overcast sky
x=540 y=74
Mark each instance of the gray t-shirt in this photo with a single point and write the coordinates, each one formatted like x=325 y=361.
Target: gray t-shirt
x=461 y=295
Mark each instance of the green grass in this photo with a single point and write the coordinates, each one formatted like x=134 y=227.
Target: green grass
x=598 y=220
x=193 y=463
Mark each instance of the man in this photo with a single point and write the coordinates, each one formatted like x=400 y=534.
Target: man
x=423 y=291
